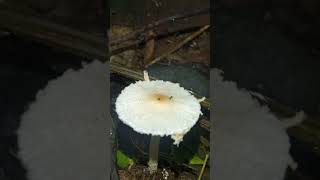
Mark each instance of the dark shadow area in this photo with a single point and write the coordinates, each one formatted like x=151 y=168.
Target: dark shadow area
x=84 y=15
x=266 y=53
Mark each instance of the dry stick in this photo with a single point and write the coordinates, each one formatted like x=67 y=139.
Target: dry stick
x=203 y=166
x=158 y=23
x=149 y=48
x=181 y=44
x=118 y=48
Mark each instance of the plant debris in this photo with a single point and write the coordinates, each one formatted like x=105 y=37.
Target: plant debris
x=140 y=172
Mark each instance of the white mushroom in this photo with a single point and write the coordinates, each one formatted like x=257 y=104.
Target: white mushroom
x=158 y=108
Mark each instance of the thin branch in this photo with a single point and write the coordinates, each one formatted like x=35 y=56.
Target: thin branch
x=203 y=166
x=181 y=44
x=158 y=23
x=134 y=43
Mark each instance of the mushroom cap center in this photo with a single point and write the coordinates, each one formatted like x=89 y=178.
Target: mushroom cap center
x=160 y=98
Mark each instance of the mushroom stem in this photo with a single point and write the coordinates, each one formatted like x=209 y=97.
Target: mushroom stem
x=153 y=153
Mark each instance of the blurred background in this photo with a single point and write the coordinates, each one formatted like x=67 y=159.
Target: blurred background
x=272 y=47
x=33 y=53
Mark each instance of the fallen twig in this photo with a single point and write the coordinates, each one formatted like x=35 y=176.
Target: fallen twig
x=181 y=44
x=149 y=48
x=203 y=166
x=138 y=32
x=134 y=43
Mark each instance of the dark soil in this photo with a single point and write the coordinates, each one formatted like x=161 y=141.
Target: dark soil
x=142 y=173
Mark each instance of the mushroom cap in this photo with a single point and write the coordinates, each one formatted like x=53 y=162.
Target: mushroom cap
x=158 y=108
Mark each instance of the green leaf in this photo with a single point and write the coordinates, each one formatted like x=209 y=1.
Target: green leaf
x=123 y=161
x=196 y=160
